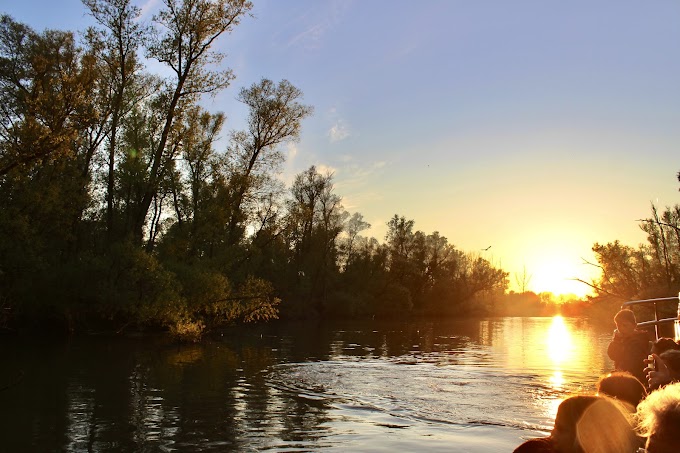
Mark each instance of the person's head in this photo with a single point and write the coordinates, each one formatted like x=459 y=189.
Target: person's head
x=623 y=386
x=672 y=360
x=658 y=418
x=540 y=445
x=592 y=424
x=664 y=344
x=625 y=321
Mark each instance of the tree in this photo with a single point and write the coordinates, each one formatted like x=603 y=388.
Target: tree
x=522 y=279
x=205 y=208
x=274 y=118
x=45 y=165
x=621 y=268
x=440 y=252
x=188 y=30
x=117 y=45
x=355 y=225
x=44 y=84
x=315 y=220
x=400 y=239
x=648 y=271
x=663 y=236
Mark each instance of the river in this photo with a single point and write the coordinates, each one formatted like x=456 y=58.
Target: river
x=480 y=385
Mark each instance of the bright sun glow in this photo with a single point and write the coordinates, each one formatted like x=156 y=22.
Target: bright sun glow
x=557 y=277
x=549 y=261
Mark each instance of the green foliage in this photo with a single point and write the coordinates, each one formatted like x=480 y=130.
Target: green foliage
x=393 y=302
x=118 y=211
x=137 y=287
x=202 y=289
x=648 y=271
x=349 y=303
x=44 y=84
x=209 y=297
x=255 y=301
x=186 y=329
x=440 y=279
x=624 y=269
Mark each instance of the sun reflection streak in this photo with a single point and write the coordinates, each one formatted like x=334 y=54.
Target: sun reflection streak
x=557 y=379
x=560 y=344
x=560 y=349
x=564 y=355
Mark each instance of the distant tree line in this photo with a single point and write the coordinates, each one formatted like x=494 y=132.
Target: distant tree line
x=650 y=270
x=118 y=210
x=528 y=303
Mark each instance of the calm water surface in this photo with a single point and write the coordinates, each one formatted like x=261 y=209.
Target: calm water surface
x=479 y=385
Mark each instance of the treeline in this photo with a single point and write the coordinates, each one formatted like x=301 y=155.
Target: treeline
x=650 y=270
x=529 y=303
x=118 y=210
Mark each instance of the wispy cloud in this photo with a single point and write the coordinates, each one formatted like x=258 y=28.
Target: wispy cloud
x=310 y=38
x=353 y=179
x=339 y=131
x=356 y=202
x=318 y=23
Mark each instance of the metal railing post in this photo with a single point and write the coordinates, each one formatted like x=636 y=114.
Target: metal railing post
x=656 y=321
x=676 y=326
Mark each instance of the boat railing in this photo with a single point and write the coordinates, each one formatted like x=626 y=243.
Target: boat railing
x=656 y=321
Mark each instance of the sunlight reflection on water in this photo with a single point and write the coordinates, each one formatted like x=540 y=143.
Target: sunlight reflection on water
x=559 y=341
x=479 y=385
x=512 y=377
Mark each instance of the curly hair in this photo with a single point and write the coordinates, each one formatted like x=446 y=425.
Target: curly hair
x=658 y=415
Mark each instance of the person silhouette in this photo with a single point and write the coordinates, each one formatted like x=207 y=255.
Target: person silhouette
x=629 y=347
x=590 y=423
x=623 y=386
x=538 y=445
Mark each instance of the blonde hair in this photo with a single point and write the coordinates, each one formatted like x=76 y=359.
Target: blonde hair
x=606 y=427
x=599 y=424
x=659 y=413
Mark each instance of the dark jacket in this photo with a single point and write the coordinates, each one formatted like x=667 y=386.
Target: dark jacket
x=628 y=352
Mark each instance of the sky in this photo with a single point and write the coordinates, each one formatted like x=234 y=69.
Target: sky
x=534 y=128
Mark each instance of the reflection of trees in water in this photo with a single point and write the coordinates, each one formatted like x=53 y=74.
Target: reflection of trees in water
x=238 y=391
x=131 y=396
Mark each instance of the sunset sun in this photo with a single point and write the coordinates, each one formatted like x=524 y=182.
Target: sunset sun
x=546 y=263
x=559 y=278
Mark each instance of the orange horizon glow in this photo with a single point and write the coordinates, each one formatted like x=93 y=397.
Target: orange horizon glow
x=553 y=267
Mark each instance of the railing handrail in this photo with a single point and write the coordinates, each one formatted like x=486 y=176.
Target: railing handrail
x=656 y=320
x=646 y=301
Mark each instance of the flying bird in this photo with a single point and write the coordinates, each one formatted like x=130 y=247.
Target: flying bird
x=487 y=248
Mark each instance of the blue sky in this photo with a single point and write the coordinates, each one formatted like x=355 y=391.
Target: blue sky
x=533 y=127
